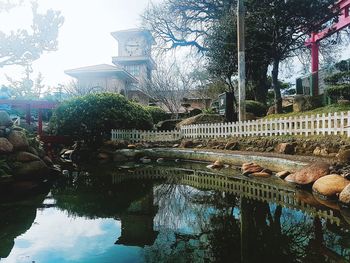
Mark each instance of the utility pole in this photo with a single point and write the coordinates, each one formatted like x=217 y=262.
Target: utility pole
x=241 y=59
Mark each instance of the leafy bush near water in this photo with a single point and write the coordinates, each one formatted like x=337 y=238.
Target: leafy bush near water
x=92 y=117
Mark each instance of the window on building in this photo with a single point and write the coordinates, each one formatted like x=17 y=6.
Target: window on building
x=133 y=70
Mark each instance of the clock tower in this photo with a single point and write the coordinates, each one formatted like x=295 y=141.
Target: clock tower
x=134 y=53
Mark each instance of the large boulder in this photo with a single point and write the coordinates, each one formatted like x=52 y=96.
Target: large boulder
x=31 y=170
x=18 y=140
x=25 y=157
x=251 y=168
x=285 y=148
x=344 y=196
x=5 y=146
x=5 y=120
x=309 y=174
x=330 y=185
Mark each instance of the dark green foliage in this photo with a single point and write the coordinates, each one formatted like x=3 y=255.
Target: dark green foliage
x=257 y=108
x=339 y=83
x=339 y=91
x=157 y=113
x=92 y=117
x=340 y=77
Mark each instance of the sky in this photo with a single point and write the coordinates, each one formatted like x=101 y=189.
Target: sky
x=84 y=38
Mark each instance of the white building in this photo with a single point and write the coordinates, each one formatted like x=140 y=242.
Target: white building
x=132 y=67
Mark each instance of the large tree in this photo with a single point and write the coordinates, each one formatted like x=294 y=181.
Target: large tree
x=23 y=46
x=287 y=24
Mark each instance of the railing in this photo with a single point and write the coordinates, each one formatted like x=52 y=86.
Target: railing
x=147 y=136
x=325 y=124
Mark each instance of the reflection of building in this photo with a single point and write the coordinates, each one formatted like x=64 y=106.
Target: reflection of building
x=132 y=67
x=137 y=223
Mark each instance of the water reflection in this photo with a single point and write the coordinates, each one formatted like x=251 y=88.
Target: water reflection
x=167 y=214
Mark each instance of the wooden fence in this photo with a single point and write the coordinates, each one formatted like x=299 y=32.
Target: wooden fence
x=146 y=136
x=325 y=124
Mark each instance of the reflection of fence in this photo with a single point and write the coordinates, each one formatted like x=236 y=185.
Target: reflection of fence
x=149 y=136
x=248 y=188
x=325 y=124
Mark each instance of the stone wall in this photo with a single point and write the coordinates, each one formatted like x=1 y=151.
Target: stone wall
x=21 y=158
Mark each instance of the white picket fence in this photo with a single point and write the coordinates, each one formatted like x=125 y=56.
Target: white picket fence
x=146 y=136
x=325 y=124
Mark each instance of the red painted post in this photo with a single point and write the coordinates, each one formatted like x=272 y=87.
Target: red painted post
x=40 y=121
x=314 y=65
x=28 y=115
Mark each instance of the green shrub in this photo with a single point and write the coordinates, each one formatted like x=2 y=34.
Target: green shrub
x=338 y=91
x=157 y=113
x=257 y=108
x=92 y=117
x=338 y=78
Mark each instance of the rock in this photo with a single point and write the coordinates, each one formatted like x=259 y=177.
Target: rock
x=269 y=149
x=25 y=157
x=330 y=185
x=199 y=146
x=5 y=146
x=218 y=165
x=176 y=145
x=261 y=174
x=160 y=160
x=187 y=144
x=145 y=160
x=343 y=156
x=317 y=151
x=103 y=156
x=283 y=174
x=249 y=168
x=33 y=151
x=131 y=146
x=117 y=157
x=344 y=196
x=267 y=171
x=34 y=170
x=231 y=146
x=285 y=148
x=18 y=140
x=5 y=119
x=48 y=161
x=309 y=174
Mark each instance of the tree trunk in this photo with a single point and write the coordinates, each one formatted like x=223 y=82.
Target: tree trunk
x=229 y=108
x=276 y=86
x=260 y=85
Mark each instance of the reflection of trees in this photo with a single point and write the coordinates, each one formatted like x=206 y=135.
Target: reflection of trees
x=95 y=196
x=16 y=219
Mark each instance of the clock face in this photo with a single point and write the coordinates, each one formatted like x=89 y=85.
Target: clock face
x=133 y=46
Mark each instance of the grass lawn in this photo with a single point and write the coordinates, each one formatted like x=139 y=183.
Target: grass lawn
x=327 y=109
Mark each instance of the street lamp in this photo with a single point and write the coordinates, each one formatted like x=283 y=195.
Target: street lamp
x=241 y=60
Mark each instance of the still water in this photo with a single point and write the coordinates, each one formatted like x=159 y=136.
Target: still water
x=169 y=214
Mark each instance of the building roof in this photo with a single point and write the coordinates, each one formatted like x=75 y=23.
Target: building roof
x=134 y=31
x=100 y=69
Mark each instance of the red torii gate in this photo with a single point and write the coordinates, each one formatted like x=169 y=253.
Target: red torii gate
x=31 y=104
x=343 y=6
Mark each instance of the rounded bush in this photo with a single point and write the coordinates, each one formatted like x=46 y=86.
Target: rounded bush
x=257 y=108
x=157 y=113
x=92 y=117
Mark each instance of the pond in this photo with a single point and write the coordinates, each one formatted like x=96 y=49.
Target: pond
x=171 y=212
